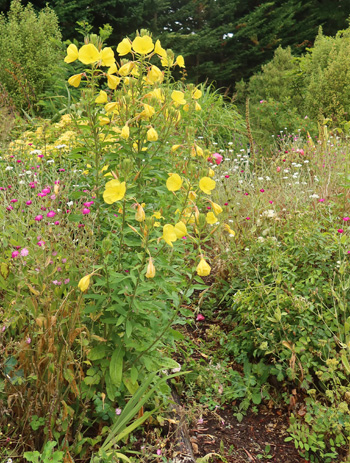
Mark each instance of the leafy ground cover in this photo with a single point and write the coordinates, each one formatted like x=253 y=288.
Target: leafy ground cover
x=145 y=250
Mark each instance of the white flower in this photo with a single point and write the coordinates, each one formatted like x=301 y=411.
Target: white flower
x=314 y=196
x=59 y=147
x=261 y=239
x=50 y=161
x=35 y=152
x=21 y=182
x=9 y=168
x=70 y=203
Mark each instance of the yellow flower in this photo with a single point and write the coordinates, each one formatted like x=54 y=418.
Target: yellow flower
x=192 y=195
x=180 y=61
x=174 y=182
x=75 y=80
x=159 y=50
x=114 y=191
x=125 y=133
x=154 y=75
x=211 y=173
x=148 y=111
x=186 y=107
x=152 y=134
x=110 y=106
x=180 y=230
x=143 y=45
x=72 y=53
x=197 y=106
x=203 y=268
x=178 y=97
x=124 y=47
x=89 y=54
x=112 y=81
x=158 y=94
x=113 y=69
x=158 y=215
x=216 y=208
x=196 y=94
x=151 y=270
x=140 y=215
x=167 y=60
x=84 y=283
x=206 y=184
x=175 y=147
x=196 y=151
x=169 y=235
x=104 y=120
x=228 y=229
x=210 y=218
x=101 y=97
x=126 y=68
x=107 y=57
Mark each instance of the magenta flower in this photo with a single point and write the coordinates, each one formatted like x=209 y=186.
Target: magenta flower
x=64 y=260
x=38 y=218
x=51 y=214
x=66 y=281
x=57 y=222
x=225 y=204
x=61 y=170
x=14 y=254
x=28 y=340
x=81 y=225
x=89 y=203
x=227 y=176
x=118 y=411
x=346 y=219
x=322 y=200
x=28 y=203
x=159 y=452
x=271 y=202
x=18 y=161
x=14 y=201
x=40 y=243
x=40 y=156
x=200 y=317
x=9 y=208
x=216 y=157
x=46 y=190
x=262 y=190
x=340 y=230
x=24 y=252
x=86 y=211
x=247 y=218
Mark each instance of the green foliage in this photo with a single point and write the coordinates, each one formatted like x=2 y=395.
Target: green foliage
x=30 y=49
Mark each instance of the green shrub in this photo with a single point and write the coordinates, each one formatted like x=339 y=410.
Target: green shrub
x=30 y=48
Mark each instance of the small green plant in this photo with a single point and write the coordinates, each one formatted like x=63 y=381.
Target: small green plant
x=47 y=455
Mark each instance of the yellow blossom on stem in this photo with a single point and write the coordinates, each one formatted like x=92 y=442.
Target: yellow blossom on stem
x=196 y=151
x=159 y=50
x=114 y=191
x=216 y=208
x=143 y=45
x=151 y=270
x=125 y=133
x=180 y=61
x=72 y=53
x=196 y=94
x=75 y=80
x=148 y=111
x=174 y=182
x=124 y=47
x=126 y=68
x=88 y=54
x=211 y=172
x=206 y=184
x=211 y=218
x=113 y=69
x=203 y=268
x=229 y=230
x=175 y=147
x=180 y=230
x=101 y=97
x=140 y=215
x=178 y=97
x=154 y=75
x=107 y=57
x=169 y=235
x=152 y=134
x=112 y=81
x=84 y=282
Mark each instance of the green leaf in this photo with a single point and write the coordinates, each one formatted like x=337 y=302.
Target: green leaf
x=97 y=352
x=116 y=367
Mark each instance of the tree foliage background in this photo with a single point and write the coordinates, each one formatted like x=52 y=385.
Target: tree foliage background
x=222 y=40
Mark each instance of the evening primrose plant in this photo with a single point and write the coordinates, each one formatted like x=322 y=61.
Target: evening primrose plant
x=153 y=185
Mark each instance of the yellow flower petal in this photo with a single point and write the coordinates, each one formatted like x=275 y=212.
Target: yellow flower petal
x=114 y=191
x=203 y=268
x=180 y=230
x=107 y=57
x=113 y=69
x=169 y=234
x=159 y=49
x=75 y=80
x=152 y=134
x=210 y=218
x=143 y=45
x=154 y=75
x=126 y=68
x=84 y=283
x=196 y=94
x=125 y=133
x=72 y=53
x=216 y=208
x=174 y=182
x=206 y=184
x=124 y=47
x=178 y=97
x=89 y=54
x=228 y=229
x=148 y=111
x=151 y=270
x=140 y=215
x=112 y=81
x=180 y=61
x=101 y=97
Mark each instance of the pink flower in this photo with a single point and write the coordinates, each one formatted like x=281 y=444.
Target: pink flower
x=46 y=190
x=24 y=252
x=9 y=208
x=247 y=218
x=64 y=260
x=57 y=222
x=227 y=176
x=28 y=340
x=43 y=208
x=14 y=254
x=81 y=225
x=159 y=452
x=14 y=201
x=262 y=190
x=51 y=214
x=66 y=281
x=278 y=169
x=200 y=317
x=346 y=219
x=40 y=156
x=340 y=230
x=215 y=157
x=61 y=170
x=322 y=200
x=271 y=202
x=28 y=203
x=38 y=218
x=118 y=411
x=225 y=204
x=89 y=203
x=18 y=161
x=246 y=194
x=86 y=211
x=40 y=243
